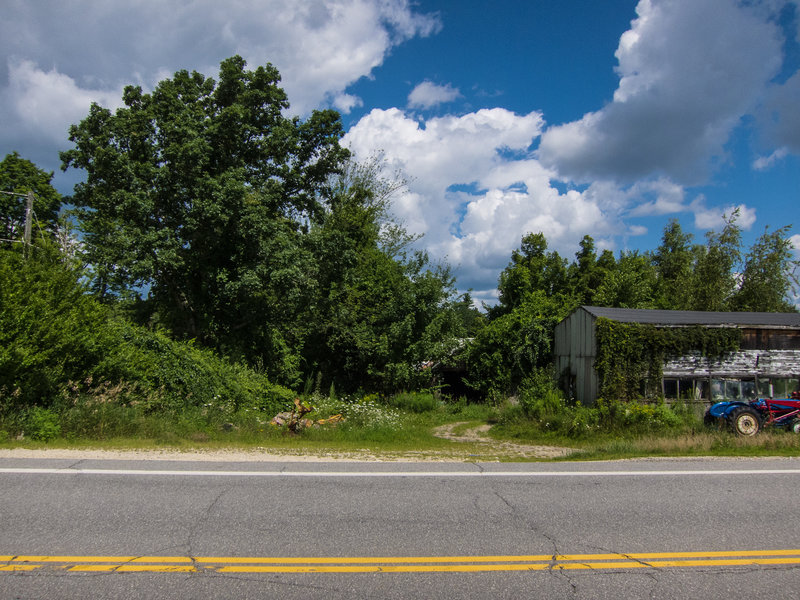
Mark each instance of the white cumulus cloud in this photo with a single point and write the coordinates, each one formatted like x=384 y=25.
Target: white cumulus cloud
x=476 y=189
x=61 y=55
x=428 y=94
x=714 y=217
x=795 y=240
x=689 y=71
x=47 y=102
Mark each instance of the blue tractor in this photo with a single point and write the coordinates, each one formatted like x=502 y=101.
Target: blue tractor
x=748 y=418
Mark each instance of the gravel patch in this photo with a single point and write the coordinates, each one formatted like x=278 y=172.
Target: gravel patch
x=477 y=435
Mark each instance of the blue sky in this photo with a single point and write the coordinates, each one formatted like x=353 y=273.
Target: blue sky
x=600 y=117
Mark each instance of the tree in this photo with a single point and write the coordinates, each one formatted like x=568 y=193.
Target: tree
x=535 y=294
x=51 y=331
x=673 y=261
x=512 y=346
x=769 y=276
x=631 y=284
x=381 y=309
x=587 y=272
x=201 y=191
x=713 y=281
x=20 y=176
x=531 y=269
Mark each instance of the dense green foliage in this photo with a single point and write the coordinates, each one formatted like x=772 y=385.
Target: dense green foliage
x=20 y=176
x=254 y=235
x=513 y=345
x=713 y=283
x=51 y=331
x=60 y=347
x=379 y=310
x=542 y=413
x=630 y=355
x=201 y=191
x=766 y=279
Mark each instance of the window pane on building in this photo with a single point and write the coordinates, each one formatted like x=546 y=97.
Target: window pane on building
x=749 y=390
x=733 y=390
x=686 y=390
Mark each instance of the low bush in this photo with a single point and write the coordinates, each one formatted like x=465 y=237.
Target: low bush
x=415 y=402
x=42 y=425
x=172 y=375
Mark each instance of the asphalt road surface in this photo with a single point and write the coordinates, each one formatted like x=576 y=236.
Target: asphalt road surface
x=631 y=529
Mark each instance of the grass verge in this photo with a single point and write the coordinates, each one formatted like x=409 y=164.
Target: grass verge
x=374 y=429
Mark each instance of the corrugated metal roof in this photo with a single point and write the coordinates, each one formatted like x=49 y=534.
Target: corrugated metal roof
x=695 y=317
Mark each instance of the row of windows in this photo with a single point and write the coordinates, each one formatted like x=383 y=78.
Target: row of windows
x=718 y=390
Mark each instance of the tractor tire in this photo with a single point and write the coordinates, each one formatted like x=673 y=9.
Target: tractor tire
x=745 y=421
x=794 y=426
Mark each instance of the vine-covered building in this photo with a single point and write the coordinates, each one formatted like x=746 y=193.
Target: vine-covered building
x=696 y=356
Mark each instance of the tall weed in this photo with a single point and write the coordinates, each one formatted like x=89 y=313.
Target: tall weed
x=543 y=410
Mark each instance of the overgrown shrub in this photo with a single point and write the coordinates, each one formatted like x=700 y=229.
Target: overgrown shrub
x=42 y=424
x=538 y=397
x=51 y=331
x=62 y=350
x=416 y=402
x=542 y=409
x=172 y=375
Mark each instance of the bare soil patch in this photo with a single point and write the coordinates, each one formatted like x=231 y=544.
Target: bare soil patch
x=477 y=435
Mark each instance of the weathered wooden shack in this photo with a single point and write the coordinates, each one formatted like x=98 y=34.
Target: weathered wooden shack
x=767 y=363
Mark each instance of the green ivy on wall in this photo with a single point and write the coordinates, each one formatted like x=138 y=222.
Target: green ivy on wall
x=630 y=356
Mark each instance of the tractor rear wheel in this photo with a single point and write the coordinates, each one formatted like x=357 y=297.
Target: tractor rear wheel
x=745 y=421
x=794 y=426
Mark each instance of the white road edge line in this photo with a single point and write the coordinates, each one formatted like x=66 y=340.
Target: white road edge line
x=519 y=474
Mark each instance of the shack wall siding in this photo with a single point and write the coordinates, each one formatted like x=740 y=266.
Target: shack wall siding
x=574 y=351
x=743 y=363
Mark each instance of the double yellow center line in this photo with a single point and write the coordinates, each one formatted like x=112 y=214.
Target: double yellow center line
x=398 y=564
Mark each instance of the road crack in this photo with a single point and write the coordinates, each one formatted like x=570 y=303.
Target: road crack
x=190 y=541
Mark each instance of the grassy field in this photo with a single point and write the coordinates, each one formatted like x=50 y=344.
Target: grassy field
x=409 y=427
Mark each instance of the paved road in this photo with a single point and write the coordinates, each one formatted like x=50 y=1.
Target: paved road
x=633 y=529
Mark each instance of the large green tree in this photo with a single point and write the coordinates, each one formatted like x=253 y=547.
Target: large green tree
x=631 y=283
x=769 y=277
x=532 y=269
x=18 y=176
x=200 y=192
x=714 y=279
x=674 y=261
x=381 y=310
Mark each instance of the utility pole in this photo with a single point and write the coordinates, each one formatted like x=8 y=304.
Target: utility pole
x=28 y=221
x=26 y=236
